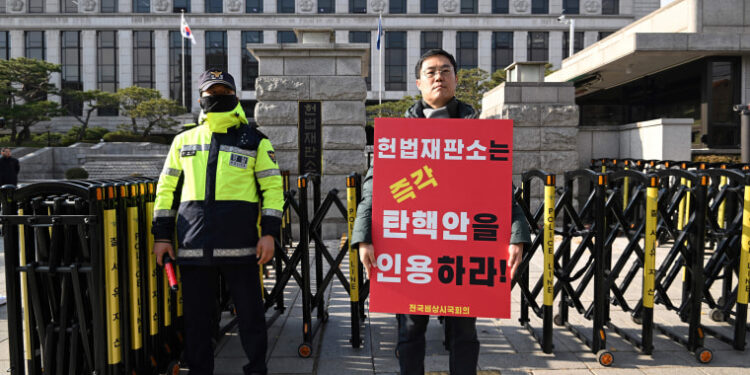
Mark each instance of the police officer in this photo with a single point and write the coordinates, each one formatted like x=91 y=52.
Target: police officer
x=227 y=212
x=436 y=79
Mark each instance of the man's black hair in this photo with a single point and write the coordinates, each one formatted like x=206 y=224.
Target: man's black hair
x=435 y=52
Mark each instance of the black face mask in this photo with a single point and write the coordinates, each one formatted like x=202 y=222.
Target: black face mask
x=218 y=103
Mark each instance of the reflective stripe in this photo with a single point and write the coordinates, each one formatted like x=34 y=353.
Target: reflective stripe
x=237 y=150
x=190 y=253
x=205 y=147
x=239 y=252
x=198 y=253
x=165 y=213
x=271 y=212
x=171 y=172
x=267 y=173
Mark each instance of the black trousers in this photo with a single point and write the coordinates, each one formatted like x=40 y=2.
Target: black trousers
x=200 y=291
x=461 y=337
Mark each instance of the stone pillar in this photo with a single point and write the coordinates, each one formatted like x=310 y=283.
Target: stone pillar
x=556 y=48
x=269 y=6
x=126 y=6
x=88 y=59
x=161 y=61
x=545 y=124
x=342 y=36
x=17 y=44
x=342 y=6
x=556 y=6
x=412 y=56
x=125 y=58
x=485 y=50
x=320 y=71
x=589 y=38
x=485 y=7
x=234 y=56
x=448 y=7
x=51 y=6
x=591 y=7
x=520 y=46
x=198 y=63
x=269 y=36
x=449 y=41
x=199 y=6
x=52 y=54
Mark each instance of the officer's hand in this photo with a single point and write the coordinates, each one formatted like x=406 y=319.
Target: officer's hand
x=367 y=257
x=265 y=249
x=160 y=248
x=515 y=254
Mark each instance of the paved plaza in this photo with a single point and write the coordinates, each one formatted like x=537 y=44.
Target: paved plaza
x=506 y=347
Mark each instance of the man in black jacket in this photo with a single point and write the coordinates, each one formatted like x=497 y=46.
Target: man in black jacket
x=9 y=168
x=436 y=79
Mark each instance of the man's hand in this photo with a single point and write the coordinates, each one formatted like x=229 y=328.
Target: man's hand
x=367 y=257
x=265 y=249
x=515 y=254
x=161 y=248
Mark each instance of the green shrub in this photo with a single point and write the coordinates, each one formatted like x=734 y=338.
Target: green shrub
x=76 y=173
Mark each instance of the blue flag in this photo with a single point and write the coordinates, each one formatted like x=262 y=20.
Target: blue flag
x=380 y=31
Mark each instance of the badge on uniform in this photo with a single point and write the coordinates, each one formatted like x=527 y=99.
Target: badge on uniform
x=272 y=156
x=187 y=153
x=237 y=160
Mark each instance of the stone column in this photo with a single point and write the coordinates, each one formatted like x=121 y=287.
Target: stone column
x=199 y=7
x=269 y=36
x=556 y=6
x=449 y=41
x=342 y=6
x=125 y=58
x=234 y=56
x=320 y=71
x=485 y=50
x=556 y=48
x=545 y=125
x=126 y=6
x=52 y=54
x=412 y=56
x=161 y=60
x=88 y=59
x=198 y=63
x=342 y=36
x=17 y=44
x=269 y=6
x=51 y=6
x=520 y=48
x=589 y=38
x=485 y=7
x=412 y=7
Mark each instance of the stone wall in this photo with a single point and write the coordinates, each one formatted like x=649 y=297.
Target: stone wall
x=316 y=71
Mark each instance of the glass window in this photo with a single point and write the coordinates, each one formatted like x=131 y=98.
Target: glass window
x=179 y=5
x=397 y=6
x=357 y=6
x=143 y=59
x=610 y=6
x=176 y=41
x=539 y=6
x=214 y=6
x=502 y=49
x=363 y=37
x=469 y=6
x=108 y=6
x=285 y=6
x=35 y=46
x=538 y=43
x=36 y=6
x=604 y=34
x=253 y=6
x=249 y=63
x=71 y=69
x=430 y=40
x=466 y=50
x=428 y=7
x=577 y=43
x=4 y=45
x=395 y=60
x=326 y=6
x=571 y=6
x=69 y=6
x=216 y=50
x=106 y=61
x=141 y=6
x=500 y=6
x=286 y=36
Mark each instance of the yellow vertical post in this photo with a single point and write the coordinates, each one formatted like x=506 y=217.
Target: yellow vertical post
x=743 y=288
x=112 y=284
x=351 y=204
x=649 y=253
x=722 y=206
x=134 y=266
x=153 y=306
x=626 y=188
x=24 y=292
x=179 y=292
x=549 y=241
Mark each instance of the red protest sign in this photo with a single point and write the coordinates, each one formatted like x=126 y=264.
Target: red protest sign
x=441 y=216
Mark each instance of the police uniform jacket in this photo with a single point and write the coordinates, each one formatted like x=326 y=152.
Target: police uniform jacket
x=220 y=189
x=362 y=232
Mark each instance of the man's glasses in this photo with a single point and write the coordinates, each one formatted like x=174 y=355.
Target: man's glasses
x=432 y=73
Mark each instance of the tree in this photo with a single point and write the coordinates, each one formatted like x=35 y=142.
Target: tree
x=138 y=102
x=92 y=101
x=390 y=109
x=24 y=87
x=158 y=113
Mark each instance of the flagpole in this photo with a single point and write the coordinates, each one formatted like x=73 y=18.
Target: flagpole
x=380 y=61
x=182 y=39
